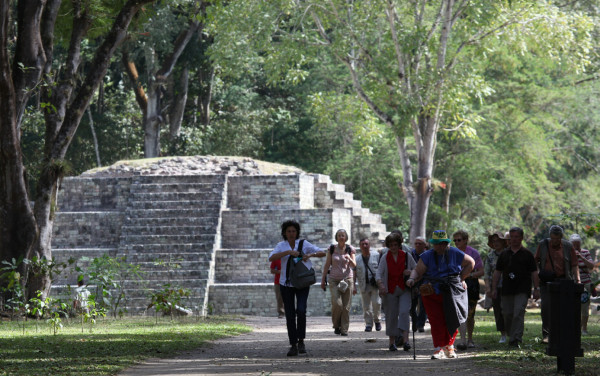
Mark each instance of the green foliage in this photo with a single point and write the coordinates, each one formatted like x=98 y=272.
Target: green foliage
x=168 y=299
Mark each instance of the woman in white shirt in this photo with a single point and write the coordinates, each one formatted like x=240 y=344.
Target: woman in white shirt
x=294 y=300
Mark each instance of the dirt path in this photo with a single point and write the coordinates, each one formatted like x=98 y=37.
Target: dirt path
x=263 y=352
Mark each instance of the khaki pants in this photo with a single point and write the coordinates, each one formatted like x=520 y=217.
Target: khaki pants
x=513 y=310
x=340 y=304
x=371 y=305
x=280 y=309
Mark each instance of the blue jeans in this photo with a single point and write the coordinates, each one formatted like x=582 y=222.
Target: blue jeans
x=294 y=303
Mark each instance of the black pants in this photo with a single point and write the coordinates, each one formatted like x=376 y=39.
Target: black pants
x=497 y=307
x=294 y=303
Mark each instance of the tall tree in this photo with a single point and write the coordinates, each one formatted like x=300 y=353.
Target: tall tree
x=27 y=231
x=410 y=62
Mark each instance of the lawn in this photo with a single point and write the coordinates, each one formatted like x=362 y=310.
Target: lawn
x=112 y=345
x=531 y=359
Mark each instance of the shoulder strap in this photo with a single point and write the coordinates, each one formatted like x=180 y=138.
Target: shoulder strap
x=300 y=246
x=348 y=250
x=331 y=248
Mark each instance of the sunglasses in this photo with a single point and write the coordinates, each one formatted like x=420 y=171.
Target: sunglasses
x=458 y=240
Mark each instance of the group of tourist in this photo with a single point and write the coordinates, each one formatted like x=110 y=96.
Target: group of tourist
x=440 y=285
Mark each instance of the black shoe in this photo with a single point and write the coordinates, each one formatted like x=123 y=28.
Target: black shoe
x=399 y=341
x=378 y=326
x=301 y=347
x=421 y=330
x=337 y=331
x=293 y=351
x=406 y=346
x=461 y=347
x=368 y=328
x=393 y=347
x=514 y=344
x=344 y=334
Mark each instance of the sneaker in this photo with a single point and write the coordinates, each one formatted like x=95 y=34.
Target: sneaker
x=378 y=326
x=545 y=339
x=461 y=346
x=514 y=344
x=337 y=331
x=438 y=354
x=406 y=346
x=344 y=334
x=368 y=328
x=449 y=352
x=471 y=344
x=393 y=347
x=301 y=347
x=421 y=330
x=502 y=339
x=293 y=351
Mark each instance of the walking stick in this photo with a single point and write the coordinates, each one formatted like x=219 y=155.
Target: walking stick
x=413 y=316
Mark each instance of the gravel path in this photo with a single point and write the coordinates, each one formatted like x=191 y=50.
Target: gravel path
x=263 y=352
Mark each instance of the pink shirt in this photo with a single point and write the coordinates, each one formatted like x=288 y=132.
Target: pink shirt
x=340 y=267
x=475 y=254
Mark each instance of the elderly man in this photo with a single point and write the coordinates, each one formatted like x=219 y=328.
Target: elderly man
x=517 y=267
x=417 y=309
x=366 y=269
x=556 y=260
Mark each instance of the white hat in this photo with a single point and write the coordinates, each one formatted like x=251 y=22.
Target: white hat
x=342 y=286
x=575 y=238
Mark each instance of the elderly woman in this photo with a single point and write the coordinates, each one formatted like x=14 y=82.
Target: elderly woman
x=341 y=259
x=497 y=243
x=394 y=266
x=294 y=300
x=586 y=265
x=444 y=270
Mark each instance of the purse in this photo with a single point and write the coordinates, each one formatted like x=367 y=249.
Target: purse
x=426 y=289
x=297 y=273
x=372 y=280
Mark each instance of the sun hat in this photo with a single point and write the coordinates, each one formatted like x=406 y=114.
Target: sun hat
x=499 y=234
x=342 y=286
x=439 y=236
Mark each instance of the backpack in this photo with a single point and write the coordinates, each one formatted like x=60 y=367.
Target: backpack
x=298 y=274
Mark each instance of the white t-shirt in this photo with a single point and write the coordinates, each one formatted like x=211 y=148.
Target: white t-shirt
x=283 y=246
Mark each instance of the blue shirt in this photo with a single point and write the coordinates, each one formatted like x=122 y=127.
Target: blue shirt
x=447 y=264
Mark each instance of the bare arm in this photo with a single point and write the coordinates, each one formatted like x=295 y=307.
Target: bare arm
x=467 y=266
x=416 y=273
x=476 y=273
x=279 y=255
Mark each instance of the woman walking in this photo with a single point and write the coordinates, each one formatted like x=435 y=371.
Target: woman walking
x=341 y=259
x=294 y=300
x=444 y=293
x=394 y=266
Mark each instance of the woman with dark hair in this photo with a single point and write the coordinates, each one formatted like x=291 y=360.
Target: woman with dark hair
x=394 y=266
x=294 y=300
x=341 y=259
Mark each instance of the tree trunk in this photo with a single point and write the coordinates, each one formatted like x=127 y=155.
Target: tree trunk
x=180 y=99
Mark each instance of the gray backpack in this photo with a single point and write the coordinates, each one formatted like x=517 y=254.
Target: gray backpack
x=297 y=273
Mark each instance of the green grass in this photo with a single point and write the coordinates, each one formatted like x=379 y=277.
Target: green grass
x=531 y=359
x=113 y=345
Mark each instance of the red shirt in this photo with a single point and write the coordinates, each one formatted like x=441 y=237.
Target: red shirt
x=395 y=271
x=277 y=266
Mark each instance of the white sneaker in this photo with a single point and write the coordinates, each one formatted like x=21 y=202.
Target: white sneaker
x=439 y=353
x=449 y=352
x=502 y=339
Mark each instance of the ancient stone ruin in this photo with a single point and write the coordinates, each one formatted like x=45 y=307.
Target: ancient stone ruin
x=214 y=219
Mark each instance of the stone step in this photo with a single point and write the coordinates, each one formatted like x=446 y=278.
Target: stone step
x=174 y=221
x=175 y=179
x=167 y=230
x=150 y=273
x=63 y=254
x=177 y=188
x=183 y=204
x=134 y=199
x=138 y=258
x=169 y=213
x=189 y=283
x=167 y=239
x=173 y=248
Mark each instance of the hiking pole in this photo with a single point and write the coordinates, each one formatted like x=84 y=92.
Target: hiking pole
x=413 y=315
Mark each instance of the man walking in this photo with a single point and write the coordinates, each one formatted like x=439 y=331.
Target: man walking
x=556 y=260
x=517 y=267
x=366 y=268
